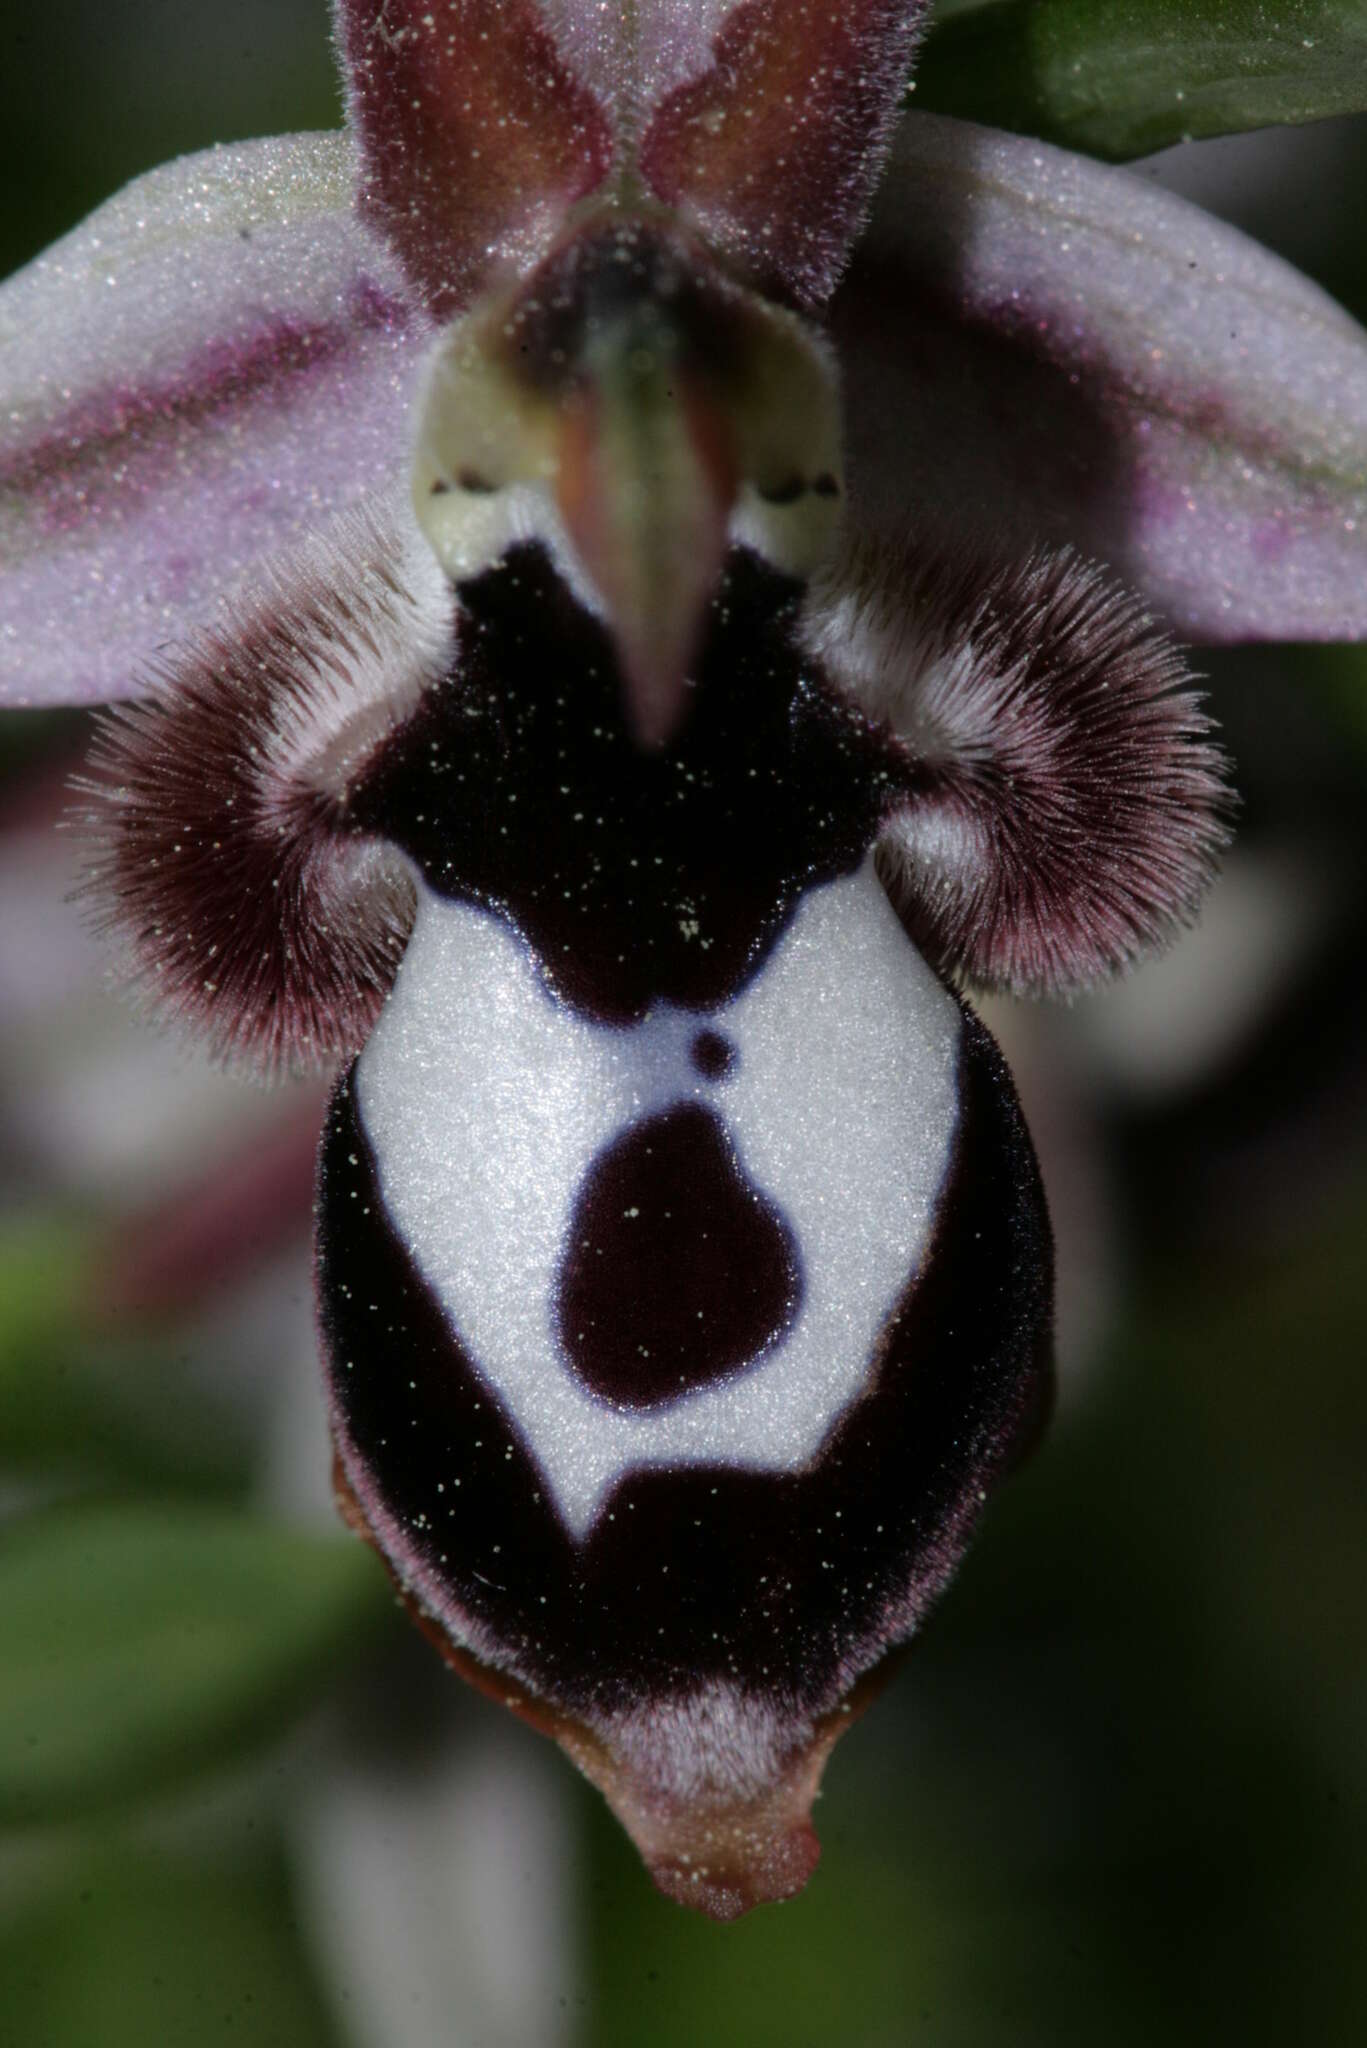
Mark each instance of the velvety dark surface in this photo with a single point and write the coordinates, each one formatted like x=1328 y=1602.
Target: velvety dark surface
x=637 y=877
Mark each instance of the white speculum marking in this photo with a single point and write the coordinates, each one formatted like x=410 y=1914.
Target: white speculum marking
x=486 y=1102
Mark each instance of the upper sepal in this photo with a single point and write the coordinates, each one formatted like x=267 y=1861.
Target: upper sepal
x=1038 y=348
x=773 y=150
x=483 y=122
x=217 y=358
x=475 y=136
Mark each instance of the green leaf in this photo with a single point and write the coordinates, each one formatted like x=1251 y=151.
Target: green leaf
x=127 y=1951
x=1340 y=676
x=72 y=1402
x=143 y=1643
x=42 y=1295
x=1119 y=78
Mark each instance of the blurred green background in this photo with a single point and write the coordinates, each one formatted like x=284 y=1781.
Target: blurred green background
x=1118 y=1792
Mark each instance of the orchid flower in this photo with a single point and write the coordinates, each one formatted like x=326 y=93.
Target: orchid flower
x=626 y=580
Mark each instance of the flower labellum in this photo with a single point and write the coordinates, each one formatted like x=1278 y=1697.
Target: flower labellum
x=616 y=784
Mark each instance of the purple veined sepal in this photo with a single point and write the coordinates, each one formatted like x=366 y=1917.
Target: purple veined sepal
x=1042 y=350
x=194 y=380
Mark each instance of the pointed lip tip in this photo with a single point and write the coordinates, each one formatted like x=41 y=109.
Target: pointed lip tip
x=732 y=1887
x=754 y=1851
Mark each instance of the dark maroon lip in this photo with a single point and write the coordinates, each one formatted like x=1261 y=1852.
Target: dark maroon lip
x=654 y=880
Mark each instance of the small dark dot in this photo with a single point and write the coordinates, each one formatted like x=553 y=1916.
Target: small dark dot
x=713 y=1056
x=826 y=485
x=787 y=493
x=472 y=480
x=440 y=488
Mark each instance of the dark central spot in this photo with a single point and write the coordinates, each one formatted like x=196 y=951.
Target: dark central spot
x=677 y=1270
x=713 y=1055
x=785 y=493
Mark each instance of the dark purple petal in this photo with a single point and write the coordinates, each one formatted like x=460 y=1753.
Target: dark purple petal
x=774 y=150
x=214 y=363
x=475 y=137
x=216 y=807
x=1073 y=800
x=1041 y=349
